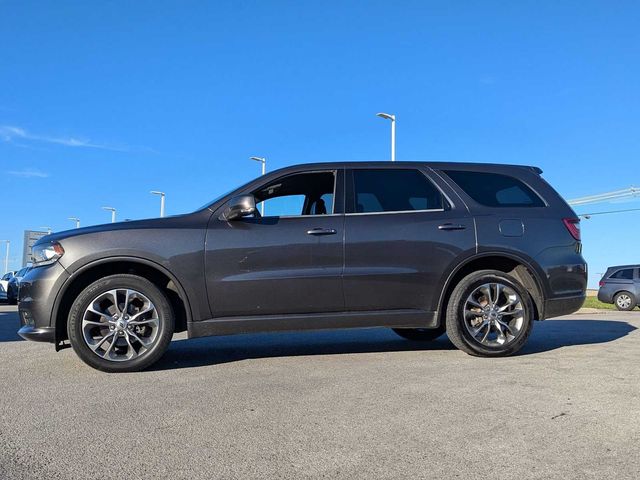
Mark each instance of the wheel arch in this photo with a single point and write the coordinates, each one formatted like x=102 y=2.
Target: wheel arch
x=93 y=271
x=504 y=262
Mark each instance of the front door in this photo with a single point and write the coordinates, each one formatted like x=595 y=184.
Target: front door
x=401 y=235
x=286 y=261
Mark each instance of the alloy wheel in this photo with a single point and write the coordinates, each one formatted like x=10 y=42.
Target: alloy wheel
x=494 y=314
x=120 y=325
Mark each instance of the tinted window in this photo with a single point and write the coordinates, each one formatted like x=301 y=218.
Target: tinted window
x=626 y=274
x=387 y=190
x=495 y=190
x=298 y=194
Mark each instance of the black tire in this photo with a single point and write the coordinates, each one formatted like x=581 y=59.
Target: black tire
x=458 y=332
x=420 y=334
x=618 y=301
x=121 y=281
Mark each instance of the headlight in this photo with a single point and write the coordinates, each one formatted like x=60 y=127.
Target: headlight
x=46 y=253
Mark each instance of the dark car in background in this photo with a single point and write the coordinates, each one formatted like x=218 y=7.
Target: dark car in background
x=13 y=286
x=620 y=285
x=477 y=250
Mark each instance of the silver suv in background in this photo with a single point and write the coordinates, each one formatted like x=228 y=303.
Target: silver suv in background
x=620 y=285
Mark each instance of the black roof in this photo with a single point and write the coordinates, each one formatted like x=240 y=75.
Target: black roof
x=435 y=165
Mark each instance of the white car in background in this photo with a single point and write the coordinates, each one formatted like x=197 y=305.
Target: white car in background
x=4 y=282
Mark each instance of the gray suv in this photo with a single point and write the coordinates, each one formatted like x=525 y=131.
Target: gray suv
x=477 y=250
x=621 y=286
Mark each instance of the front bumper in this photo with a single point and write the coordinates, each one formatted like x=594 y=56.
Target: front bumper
x=38 y=292
x=38 y=334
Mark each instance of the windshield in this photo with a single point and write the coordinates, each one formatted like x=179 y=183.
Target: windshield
x=210 y=202
x=220 y=197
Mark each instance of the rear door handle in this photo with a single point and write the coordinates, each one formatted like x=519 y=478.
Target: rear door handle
x=451 y=226
x=322 y=231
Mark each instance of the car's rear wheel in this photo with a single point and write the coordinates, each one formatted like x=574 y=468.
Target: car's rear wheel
x=624 y=301
x=420 y=334
x=489 y=314
x=120 y=323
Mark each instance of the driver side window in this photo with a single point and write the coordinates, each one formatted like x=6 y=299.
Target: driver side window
x=297 y=195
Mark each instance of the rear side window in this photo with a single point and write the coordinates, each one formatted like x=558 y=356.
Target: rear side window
x=495 y=190
x=387 y=190
x=626 y=274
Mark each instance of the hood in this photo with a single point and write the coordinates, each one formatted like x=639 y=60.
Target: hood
x=150 y=223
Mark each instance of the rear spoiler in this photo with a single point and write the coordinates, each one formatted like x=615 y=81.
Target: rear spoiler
x=538 y=170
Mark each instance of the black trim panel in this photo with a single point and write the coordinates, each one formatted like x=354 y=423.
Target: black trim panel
x=557 y=307
x=38 y=334
x=312 y=321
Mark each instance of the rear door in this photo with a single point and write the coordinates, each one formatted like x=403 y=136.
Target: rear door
x=403 y=231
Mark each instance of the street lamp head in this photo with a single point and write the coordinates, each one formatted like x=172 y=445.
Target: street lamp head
x=110 y=209
x=387 y=116
x=75 y=219
x=258 y=159
x=156 y=192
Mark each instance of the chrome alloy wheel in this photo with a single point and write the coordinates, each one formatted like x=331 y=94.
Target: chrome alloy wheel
x=494 y=314
x=623 y=300
x=120 y=325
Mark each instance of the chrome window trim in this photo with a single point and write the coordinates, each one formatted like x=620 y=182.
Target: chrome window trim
x=452 y=205
x=394 y=212
x=333 y=201
x=307 y=216
x=513 y=177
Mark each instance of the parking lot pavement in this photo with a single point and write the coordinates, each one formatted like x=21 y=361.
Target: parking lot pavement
x=339 y=404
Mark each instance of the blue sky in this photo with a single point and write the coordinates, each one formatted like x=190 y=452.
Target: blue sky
x=101 y=102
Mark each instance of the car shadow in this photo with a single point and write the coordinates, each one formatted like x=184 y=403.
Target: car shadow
x=546 y=336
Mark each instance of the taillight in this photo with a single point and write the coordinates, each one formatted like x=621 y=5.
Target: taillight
x=573 y=225
x=601 y=283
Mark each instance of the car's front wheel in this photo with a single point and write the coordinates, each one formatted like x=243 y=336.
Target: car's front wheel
x=120 y=323
x=624 y=301
x=489 y=314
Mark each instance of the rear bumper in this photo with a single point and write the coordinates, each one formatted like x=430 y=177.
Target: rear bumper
x=557 y=307
x=38 y=334
x=604 y=296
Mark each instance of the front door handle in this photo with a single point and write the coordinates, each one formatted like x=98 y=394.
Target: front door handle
x=451 y=226
x=322 y=231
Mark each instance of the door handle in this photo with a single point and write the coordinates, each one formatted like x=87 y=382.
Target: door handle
x=322 y=231
x=451 y=226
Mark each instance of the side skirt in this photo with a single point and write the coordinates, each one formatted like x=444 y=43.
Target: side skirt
x=312 y=321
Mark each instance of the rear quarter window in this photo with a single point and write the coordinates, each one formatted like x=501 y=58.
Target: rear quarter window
x=626 y=274
x=495 y=189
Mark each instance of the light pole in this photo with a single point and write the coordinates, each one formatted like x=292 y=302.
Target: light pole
x=48 y=229
x=6 y=257
x=75 y=219
x=391 y=117
x=113 y=213
x=155 y=192
x=262 y=160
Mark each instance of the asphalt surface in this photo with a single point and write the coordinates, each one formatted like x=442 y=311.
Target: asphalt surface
x=340 y=404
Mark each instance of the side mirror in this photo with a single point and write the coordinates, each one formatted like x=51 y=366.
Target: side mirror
x=238 y=207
